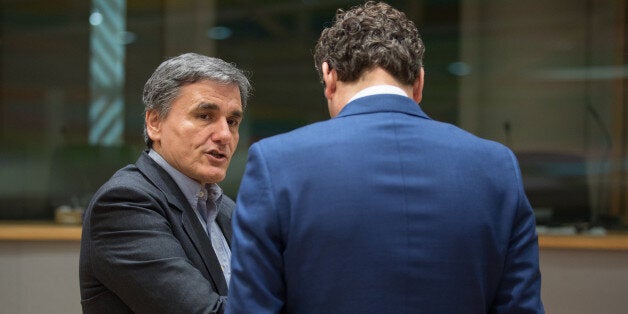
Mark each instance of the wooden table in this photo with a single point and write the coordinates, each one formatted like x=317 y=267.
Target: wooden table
x=49 y=231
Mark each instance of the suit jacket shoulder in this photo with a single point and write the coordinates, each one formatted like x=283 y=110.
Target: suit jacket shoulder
x=139 y=231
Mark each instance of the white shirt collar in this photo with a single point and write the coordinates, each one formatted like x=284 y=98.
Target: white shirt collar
x=378 y=89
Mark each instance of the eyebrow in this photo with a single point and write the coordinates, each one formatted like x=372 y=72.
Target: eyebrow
x=206 y=105
x=237 y=113
x=212 y=106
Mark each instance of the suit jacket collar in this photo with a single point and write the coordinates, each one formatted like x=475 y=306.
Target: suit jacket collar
x=383 y=103
x=190 y=223
x=162 y=180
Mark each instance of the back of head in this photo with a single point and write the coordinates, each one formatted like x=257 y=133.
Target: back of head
x=162 y=88
x=368 y=36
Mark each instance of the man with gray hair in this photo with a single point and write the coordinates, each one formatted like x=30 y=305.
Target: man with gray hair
x=156 y=236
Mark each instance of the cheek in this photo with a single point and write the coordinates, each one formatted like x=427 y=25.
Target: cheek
x=235 y=140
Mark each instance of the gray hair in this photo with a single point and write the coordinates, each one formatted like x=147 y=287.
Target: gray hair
x=164 y=85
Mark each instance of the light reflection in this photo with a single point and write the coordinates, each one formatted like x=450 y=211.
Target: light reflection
x=95 y=18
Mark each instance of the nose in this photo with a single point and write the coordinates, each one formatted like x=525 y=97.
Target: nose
x=221 y=133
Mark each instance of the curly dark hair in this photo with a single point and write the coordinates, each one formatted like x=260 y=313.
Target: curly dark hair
x=368 y=36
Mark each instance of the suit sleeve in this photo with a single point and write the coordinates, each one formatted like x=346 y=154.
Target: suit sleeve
x=520 y=287
x=257 y=284
x=136 y=255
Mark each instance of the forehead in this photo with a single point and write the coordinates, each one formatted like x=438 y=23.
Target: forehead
x=217 y=93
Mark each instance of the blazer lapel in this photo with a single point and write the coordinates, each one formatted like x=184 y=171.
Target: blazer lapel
x=189 y=220
x=195 y=231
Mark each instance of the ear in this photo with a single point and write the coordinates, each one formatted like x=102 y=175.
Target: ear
x=417 y=87
x=330 y=77
x=153 y=125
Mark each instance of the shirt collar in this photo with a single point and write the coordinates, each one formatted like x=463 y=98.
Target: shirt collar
x=190 y=188
x=382 y=103
x=378 y=89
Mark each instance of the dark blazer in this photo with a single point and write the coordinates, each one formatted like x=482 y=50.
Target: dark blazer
x=144 y=250
x=383 y=210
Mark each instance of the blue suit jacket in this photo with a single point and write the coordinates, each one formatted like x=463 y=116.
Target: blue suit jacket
x=383 y=210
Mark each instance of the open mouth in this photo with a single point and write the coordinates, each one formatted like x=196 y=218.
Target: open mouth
x=217 y=154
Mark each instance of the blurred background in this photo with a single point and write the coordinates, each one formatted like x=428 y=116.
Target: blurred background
x=546 y=78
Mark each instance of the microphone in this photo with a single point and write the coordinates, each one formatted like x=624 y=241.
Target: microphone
x=507 y=133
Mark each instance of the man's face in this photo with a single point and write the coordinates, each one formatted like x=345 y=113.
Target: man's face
x=200 y=133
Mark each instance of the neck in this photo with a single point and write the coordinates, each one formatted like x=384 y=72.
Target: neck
x=346 y=90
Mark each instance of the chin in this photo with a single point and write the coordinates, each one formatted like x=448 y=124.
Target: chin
x=215 y=178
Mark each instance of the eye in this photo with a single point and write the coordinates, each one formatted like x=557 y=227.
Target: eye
x=204 y=116
x=233 y=122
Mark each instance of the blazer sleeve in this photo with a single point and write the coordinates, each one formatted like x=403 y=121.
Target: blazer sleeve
x=520 y=286
x=257 y=284
x=136 y=255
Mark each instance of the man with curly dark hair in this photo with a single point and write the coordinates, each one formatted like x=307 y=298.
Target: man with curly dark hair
x=381 y=209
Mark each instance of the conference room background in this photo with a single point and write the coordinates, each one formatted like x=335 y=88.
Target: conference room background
x=546 y=78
